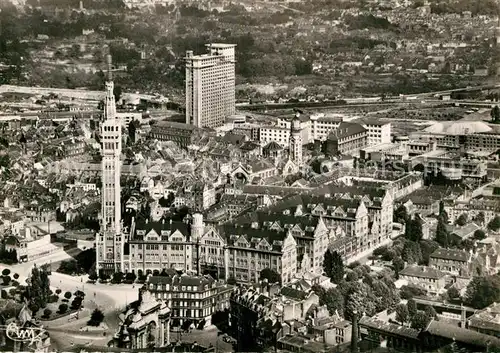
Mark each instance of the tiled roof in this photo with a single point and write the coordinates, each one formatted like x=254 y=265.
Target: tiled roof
x=453 y=332
x=465 y=231
x=232 y=234
x=183 y=280
x=422 y=272
x=294 y=294
x=260 y=165
x=272 y=146
x=385 y=326
x=450 y=254
x=159 y=226
x=346 y=129
x=176 y=125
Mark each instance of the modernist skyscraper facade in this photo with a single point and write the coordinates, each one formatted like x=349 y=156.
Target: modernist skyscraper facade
x=210 y=86
x=110 y=241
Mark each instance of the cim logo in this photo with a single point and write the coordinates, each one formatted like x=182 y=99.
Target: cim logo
x=24 y=334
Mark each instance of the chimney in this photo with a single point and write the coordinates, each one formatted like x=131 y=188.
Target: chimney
x=354 y=338
x=463 y=321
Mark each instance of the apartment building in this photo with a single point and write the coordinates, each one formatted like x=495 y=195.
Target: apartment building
x=488 y=207
x=430 y=279
x=67 y=147
x=462 y=135
x=450 y=163
x=210 y=86
x=181 y=134
x=346 y=139
x=378 y=132
x=313 y=127
x=322 y=125
x=193 y=298
x=126 y=117
x=158 y=245
x=273 y=133
x=453 y=261
x=384 y=152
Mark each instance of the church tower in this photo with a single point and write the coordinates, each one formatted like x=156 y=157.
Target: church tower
x=110 y=240
x=296 y=141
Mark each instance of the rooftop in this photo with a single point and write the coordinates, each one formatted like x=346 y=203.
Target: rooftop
x=389 y=327
x=450 y=254
x=422 y=272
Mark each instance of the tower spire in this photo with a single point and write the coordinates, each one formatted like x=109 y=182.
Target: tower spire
x=108 y=67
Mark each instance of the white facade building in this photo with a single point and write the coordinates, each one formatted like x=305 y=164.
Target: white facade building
x=110 y=241
x=378 y=132
x=210 y=86
x=127 y=117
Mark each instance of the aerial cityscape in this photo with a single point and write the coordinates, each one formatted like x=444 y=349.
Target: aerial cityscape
x=250 y=176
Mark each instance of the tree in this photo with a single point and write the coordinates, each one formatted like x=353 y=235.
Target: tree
x=442 y=212
x=46 y=313
x=359 y=297
x=271 y=275
x=76 y=303
x=479 y=234
x=333 y=265
x=495 y=114
x=96 y=318
x=419 y=321
x=93 y=276
x=462 y=220
x=402 y=315
x=16 y=276
x=6 y=272
x=63 y=308
x=494 y=224
x=408 y=292
x=34 y=308
x=117 y=92
x=442 y=234
x=67 y=295
x=130 y=277
x=6 y=280
x=117 y=277
x=38 y=289
x=398 y=265
x=483 y=291
x=413 y=229
x=58 y=291
x=479 y=219
x=411 y=252
x=427 y=247
x=412 y=308
x=453 y=293
x=333 y=300
x=430 y=312
x=351 y=276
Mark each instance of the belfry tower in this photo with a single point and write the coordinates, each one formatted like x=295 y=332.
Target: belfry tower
x=295 y=147
x=110 y=240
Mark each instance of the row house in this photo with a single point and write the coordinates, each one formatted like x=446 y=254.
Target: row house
x=428 y=278
x=158 y=245
x=263 y=314
x=193 y=298
x=315 y=222
x=67 y=147
x=198 y=195
x=180 y=133
x=485 y=207
x=453 y=261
